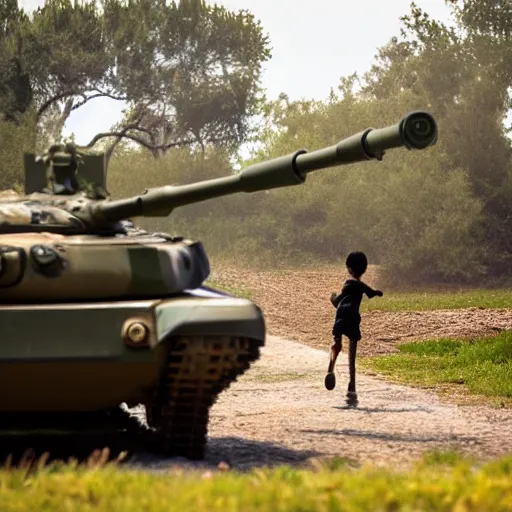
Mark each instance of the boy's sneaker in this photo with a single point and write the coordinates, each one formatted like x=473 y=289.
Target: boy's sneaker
x=352 y=398
x=330 y=381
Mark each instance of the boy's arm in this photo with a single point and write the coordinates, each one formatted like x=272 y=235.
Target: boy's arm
x=335 y=299
x=370 y=292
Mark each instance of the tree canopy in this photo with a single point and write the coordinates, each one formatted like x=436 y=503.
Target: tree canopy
x=188 y=71
x=463 y=74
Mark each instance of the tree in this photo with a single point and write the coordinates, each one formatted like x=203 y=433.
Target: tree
x=15 y=88
x=188 y=71
x=197 y=78
x=463 y=74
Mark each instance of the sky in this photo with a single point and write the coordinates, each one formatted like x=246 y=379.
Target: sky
x=314 y=43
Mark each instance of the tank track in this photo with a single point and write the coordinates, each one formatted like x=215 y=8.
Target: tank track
x=198 y=369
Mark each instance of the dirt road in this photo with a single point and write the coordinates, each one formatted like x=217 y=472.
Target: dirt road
x=279 y=412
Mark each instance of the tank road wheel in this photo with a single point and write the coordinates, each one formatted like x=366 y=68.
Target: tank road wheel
x=198 y=369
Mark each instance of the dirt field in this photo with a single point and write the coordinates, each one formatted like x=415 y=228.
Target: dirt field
x=280 y=412
x=296 y=306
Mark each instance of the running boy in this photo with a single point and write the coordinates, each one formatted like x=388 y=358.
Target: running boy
x=348 y=319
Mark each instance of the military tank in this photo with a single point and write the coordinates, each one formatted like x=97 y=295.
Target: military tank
x=96 y=312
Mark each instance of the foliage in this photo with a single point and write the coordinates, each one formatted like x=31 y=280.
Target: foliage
x=15 y=140
x=197 y=76
x=482 y=367
x=406 y=212
x=15 y=87
x=441 y=215
x=189 y=71
x=463 y=75
x=439 y=483
x=231 y=227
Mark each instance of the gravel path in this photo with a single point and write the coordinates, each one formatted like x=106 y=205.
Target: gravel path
x=279 y=412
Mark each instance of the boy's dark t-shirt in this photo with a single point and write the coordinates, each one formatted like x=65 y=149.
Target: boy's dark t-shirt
x=347 y=305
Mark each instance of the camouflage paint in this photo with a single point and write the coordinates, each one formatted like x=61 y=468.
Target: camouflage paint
x=96 y=268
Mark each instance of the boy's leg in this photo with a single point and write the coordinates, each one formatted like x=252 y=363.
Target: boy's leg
x=351 y=392
x=352 y=365
x=335 y=350
x=330 y=378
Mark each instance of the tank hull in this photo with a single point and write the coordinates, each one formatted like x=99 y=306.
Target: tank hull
x=78 y=357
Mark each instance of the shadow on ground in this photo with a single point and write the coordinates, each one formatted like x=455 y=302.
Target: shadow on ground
x=401 y=438
x=238 y=453
x=234 y=450
x=382 y=409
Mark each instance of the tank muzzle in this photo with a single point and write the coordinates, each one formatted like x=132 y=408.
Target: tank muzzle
x=418 y=130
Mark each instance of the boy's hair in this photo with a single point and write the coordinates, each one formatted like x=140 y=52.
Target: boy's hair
x=357 y=262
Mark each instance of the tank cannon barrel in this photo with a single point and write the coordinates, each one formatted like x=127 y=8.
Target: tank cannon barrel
x=417 y=130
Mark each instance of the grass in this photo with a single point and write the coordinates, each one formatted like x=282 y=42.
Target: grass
x=482 y=367
x=431 y=300
x=437 y=483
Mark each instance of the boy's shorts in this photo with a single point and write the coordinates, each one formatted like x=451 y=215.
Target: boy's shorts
x=347 y=323
x=351 y=330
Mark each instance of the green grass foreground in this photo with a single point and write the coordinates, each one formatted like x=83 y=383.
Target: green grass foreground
x=431 y=300
x=438 y=483
x=483 y=366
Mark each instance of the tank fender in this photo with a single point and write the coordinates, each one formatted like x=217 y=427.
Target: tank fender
x=200 y=314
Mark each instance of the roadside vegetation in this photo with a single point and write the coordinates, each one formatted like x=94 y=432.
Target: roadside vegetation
x=482 y=367
x=439 y=482
x=433 y=300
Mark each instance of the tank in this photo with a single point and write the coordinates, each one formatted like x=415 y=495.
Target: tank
x=96 y=312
